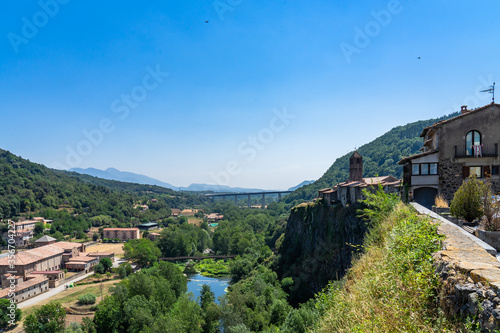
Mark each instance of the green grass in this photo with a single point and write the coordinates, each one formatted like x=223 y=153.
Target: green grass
x=212 y=268
x=393 y=285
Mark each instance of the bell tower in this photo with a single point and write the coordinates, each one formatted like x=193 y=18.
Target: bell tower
x=356 y=167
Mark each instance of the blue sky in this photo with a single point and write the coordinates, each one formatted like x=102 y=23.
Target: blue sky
x=264 y=94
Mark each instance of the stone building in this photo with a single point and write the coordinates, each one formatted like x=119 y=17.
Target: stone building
x=123 y=234
x=32 y=272
x=351 y=190
x=453 y=150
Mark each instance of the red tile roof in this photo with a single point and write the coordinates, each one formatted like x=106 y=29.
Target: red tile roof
x=81 y=259
x=33 y=255
x=24 y=285
x=67 y=245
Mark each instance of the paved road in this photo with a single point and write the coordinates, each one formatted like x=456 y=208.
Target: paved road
x=50 y=293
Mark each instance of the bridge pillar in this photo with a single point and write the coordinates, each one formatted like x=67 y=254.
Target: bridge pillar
x=279 y=196
x=263 y=200
x=236 y=199
x=249 y=201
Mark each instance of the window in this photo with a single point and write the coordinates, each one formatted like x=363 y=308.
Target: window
x=476 y=170
x=424 y=169
x=473 y=138
x=433 y=168
x=415 y=169
x=495 y=169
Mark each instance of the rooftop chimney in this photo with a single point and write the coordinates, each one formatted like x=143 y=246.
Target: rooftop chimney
x=464 y=109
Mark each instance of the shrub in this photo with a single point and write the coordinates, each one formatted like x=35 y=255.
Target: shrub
x=87 y=298
x=440 y=202
x=467 y=202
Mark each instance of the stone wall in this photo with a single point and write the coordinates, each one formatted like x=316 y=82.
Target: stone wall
x=470 y=279
x=450 y=177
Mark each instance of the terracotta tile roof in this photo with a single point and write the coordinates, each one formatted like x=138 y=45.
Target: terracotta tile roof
x=24 y=285
x=95 y=254
x=82 y=259
x=25 y=223
x=67 y=245
x=33 y=255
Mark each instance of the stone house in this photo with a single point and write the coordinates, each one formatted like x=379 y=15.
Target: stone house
x=351 y=191
x=453 y=150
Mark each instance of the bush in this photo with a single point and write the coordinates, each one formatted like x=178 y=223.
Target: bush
x=87 y=298
x=467 y=202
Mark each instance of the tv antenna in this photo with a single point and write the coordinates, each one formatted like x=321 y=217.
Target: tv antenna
x=491 y=91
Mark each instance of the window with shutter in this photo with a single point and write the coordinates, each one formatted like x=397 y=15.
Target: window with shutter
x=465 y=171
x=487 y=171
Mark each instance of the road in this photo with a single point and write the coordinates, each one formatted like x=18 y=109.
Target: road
x=50 y=293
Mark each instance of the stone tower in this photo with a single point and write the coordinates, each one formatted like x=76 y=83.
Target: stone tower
x=356 y=167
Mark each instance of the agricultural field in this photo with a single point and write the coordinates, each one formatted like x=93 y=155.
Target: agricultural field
x=69 y=300
x=116 y=248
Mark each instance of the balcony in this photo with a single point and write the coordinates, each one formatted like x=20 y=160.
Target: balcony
x=485 y=150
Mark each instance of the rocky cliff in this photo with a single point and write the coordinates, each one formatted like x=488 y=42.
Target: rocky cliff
x=318 y=246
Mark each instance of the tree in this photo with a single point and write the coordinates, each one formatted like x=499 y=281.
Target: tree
x=39 y=228
x=106 y=263
x=95 y=236
x=467 y=202
x=8 y=313
x=50 y=318
x=142 y=251
x=210 y=311
x=99 y=269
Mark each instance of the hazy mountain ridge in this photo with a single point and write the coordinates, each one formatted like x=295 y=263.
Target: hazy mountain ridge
x=130 y=177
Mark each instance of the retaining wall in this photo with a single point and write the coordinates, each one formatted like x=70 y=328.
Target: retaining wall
x=470 y=275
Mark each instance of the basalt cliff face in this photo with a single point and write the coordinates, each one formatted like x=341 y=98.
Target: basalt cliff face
x=318 y=246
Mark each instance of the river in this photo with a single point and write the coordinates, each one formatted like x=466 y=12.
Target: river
x=217 y=285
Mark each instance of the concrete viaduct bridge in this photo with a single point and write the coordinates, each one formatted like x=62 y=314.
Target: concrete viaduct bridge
x=248 y=194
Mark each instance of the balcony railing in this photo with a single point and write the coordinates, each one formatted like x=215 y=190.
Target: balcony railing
x=484 y=150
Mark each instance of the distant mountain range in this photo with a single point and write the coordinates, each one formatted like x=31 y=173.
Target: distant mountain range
x=304 y=183
x=129 y=177
x=122 y=176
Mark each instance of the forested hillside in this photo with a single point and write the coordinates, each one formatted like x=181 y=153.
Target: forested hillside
x=380 y=157
x=78 y=201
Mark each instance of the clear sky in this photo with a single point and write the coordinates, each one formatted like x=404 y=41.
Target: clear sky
x=261 y=94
